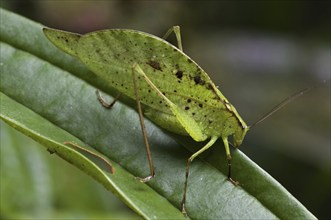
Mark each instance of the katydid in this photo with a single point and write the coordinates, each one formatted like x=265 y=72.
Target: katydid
x=170 y=88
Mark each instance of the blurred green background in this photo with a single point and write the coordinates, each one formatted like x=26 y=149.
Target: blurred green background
x=258 y=52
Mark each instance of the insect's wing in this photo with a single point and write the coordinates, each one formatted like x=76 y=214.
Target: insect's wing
x=112 y=54
x=66 y=41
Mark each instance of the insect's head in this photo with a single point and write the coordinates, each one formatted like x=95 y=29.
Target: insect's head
x=239 y=135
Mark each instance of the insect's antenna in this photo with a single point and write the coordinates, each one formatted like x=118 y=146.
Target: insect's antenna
x=288 y=100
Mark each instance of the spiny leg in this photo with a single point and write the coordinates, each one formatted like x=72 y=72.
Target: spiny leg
x=104 y=103
x=176 y=30
x=208 y=145
x=189 y=124
x=228 y=157
x=143 y=129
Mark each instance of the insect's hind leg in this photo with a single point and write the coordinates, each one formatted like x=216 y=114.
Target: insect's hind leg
x=143 y=129
x=104 y=103
x=176 y=30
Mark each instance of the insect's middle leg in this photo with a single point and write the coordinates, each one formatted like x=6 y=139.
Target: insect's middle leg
x=143 y=129
x=228 y=157
x=176 y=30
x=208 y=145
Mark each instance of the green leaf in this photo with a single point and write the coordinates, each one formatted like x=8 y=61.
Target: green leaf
x=45 y=97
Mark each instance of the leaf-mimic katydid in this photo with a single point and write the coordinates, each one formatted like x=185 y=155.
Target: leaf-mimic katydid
x=170 y=88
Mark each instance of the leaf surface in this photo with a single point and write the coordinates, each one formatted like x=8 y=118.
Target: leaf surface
x=45 y=96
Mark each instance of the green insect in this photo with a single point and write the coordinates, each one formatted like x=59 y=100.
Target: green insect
x=169 y=87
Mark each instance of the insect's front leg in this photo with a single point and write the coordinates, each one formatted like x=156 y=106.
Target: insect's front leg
x=104 y=103
x=176 y=30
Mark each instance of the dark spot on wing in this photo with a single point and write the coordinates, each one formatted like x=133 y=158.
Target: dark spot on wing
x=189 y=100
x=179 y=74
x=198 y=80
x=209 y=86
x=155 y=65
x=187 y=108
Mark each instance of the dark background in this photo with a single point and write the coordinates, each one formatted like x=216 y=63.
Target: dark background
x=258 y=52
